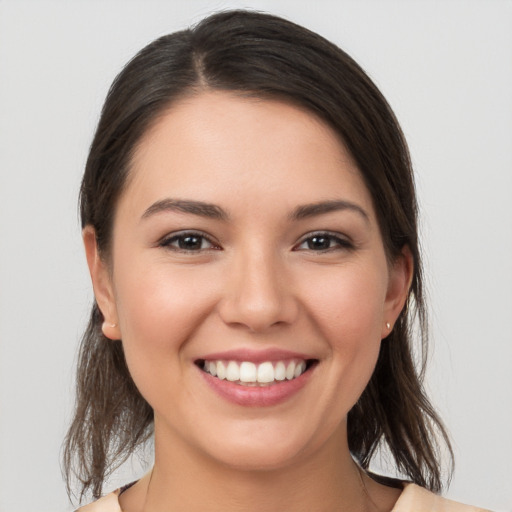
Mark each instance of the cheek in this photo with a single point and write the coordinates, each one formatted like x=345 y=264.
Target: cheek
x=159 y=299
x=348 y=311
x=348 y=305
x=159 y=309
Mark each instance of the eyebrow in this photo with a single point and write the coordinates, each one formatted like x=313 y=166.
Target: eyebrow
x=213 y=211
x=323 y=207
x=200 y=208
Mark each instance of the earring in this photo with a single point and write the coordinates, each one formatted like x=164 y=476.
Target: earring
x=388 y=326
x=105 y=328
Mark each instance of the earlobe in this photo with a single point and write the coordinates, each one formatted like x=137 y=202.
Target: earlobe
x=110 y=330
x=400 y=280
x=102 y=284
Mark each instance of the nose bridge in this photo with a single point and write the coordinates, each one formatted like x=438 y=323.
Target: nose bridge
x=258 y=295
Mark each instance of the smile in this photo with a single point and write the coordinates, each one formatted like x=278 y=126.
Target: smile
x=256 y=378
x=247 y=373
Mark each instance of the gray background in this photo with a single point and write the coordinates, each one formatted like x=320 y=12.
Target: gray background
x=445 y=67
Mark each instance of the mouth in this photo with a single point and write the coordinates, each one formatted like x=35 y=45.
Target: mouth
x=251 y=374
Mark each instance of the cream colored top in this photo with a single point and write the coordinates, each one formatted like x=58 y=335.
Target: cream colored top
x=412 y=499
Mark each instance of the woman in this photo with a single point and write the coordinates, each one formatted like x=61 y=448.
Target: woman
x=249 y=220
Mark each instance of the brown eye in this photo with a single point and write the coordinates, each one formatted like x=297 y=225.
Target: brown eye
x=324 y=242
x=188 y=242
x=319 y=243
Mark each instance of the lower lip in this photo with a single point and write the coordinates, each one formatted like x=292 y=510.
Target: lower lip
x=257 y=396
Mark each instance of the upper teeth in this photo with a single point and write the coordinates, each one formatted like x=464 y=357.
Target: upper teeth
x=248 y=372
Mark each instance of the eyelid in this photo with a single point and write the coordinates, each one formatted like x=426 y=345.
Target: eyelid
x=165 y=241
x=343 y=241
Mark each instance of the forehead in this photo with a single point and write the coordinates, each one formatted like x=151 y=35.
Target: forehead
x=228 y=146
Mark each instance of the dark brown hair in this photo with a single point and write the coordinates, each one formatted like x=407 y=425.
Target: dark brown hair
x=267 y=57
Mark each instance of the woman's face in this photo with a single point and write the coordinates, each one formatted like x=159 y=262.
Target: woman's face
x=248 y=280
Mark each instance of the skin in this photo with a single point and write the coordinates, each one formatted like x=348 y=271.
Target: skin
x=256 y=281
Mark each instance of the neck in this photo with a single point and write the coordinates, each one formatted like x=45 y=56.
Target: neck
x=183 y=479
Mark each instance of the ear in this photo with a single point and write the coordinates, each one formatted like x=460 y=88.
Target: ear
x=400 y=278
x=102 y=285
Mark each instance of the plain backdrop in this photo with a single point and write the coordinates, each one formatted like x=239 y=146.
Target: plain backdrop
x=446 y=69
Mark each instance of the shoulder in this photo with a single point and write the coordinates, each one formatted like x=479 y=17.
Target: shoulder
x=412 y=499
x=416 y=499
x=109 y=503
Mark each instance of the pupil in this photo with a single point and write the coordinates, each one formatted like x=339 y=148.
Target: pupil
x=319 y=242
x=190 y=242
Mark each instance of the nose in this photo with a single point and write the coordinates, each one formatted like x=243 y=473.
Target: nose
x=258 y=293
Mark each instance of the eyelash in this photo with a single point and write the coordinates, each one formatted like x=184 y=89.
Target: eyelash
x=177 y=237
x=340 y=243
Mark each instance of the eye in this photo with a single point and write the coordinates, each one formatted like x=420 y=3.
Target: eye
x=188 y=242
x=323 y=242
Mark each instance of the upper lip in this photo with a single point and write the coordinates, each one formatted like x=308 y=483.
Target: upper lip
x=255 y=356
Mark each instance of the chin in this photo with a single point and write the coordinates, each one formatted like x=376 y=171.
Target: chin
x=256 y=458
x=265 y=447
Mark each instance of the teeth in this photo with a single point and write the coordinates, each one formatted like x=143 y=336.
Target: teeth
x=265 y=372
x=232 y=372
x=280 y=371
x=299 y=369
x=212 y=368
x=221 y=370
x=290 y=371
x=247 y=372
